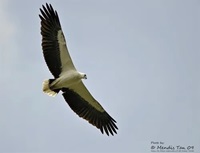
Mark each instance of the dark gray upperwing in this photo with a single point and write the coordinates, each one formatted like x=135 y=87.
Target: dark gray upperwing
x=50 y=25
x=101 y=119
x=54 y=46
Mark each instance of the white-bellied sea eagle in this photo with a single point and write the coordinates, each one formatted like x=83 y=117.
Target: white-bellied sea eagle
x=66 y=78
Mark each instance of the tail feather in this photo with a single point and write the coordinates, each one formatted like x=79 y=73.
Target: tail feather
x=46 y=88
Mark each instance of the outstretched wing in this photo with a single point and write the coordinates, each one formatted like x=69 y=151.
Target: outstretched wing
x=85 y=106
x=54 y=46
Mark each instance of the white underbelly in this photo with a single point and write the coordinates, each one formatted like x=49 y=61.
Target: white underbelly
x=66 y=80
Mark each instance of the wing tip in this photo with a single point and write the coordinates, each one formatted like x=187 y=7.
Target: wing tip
x=49 y=14
x=109 y=128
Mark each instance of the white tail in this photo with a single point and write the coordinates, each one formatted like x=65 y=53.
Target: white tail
x=46 y=89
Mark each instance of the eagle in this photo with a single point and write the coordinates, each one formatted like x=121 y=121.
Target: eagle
x=66 y=78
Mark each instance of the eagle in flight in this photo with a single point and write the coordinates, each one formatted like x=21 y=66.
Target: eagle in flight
x=66 y=78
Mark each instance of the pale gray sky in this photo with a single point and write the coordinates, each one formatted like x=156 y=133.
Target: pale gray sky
x=142 y=62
